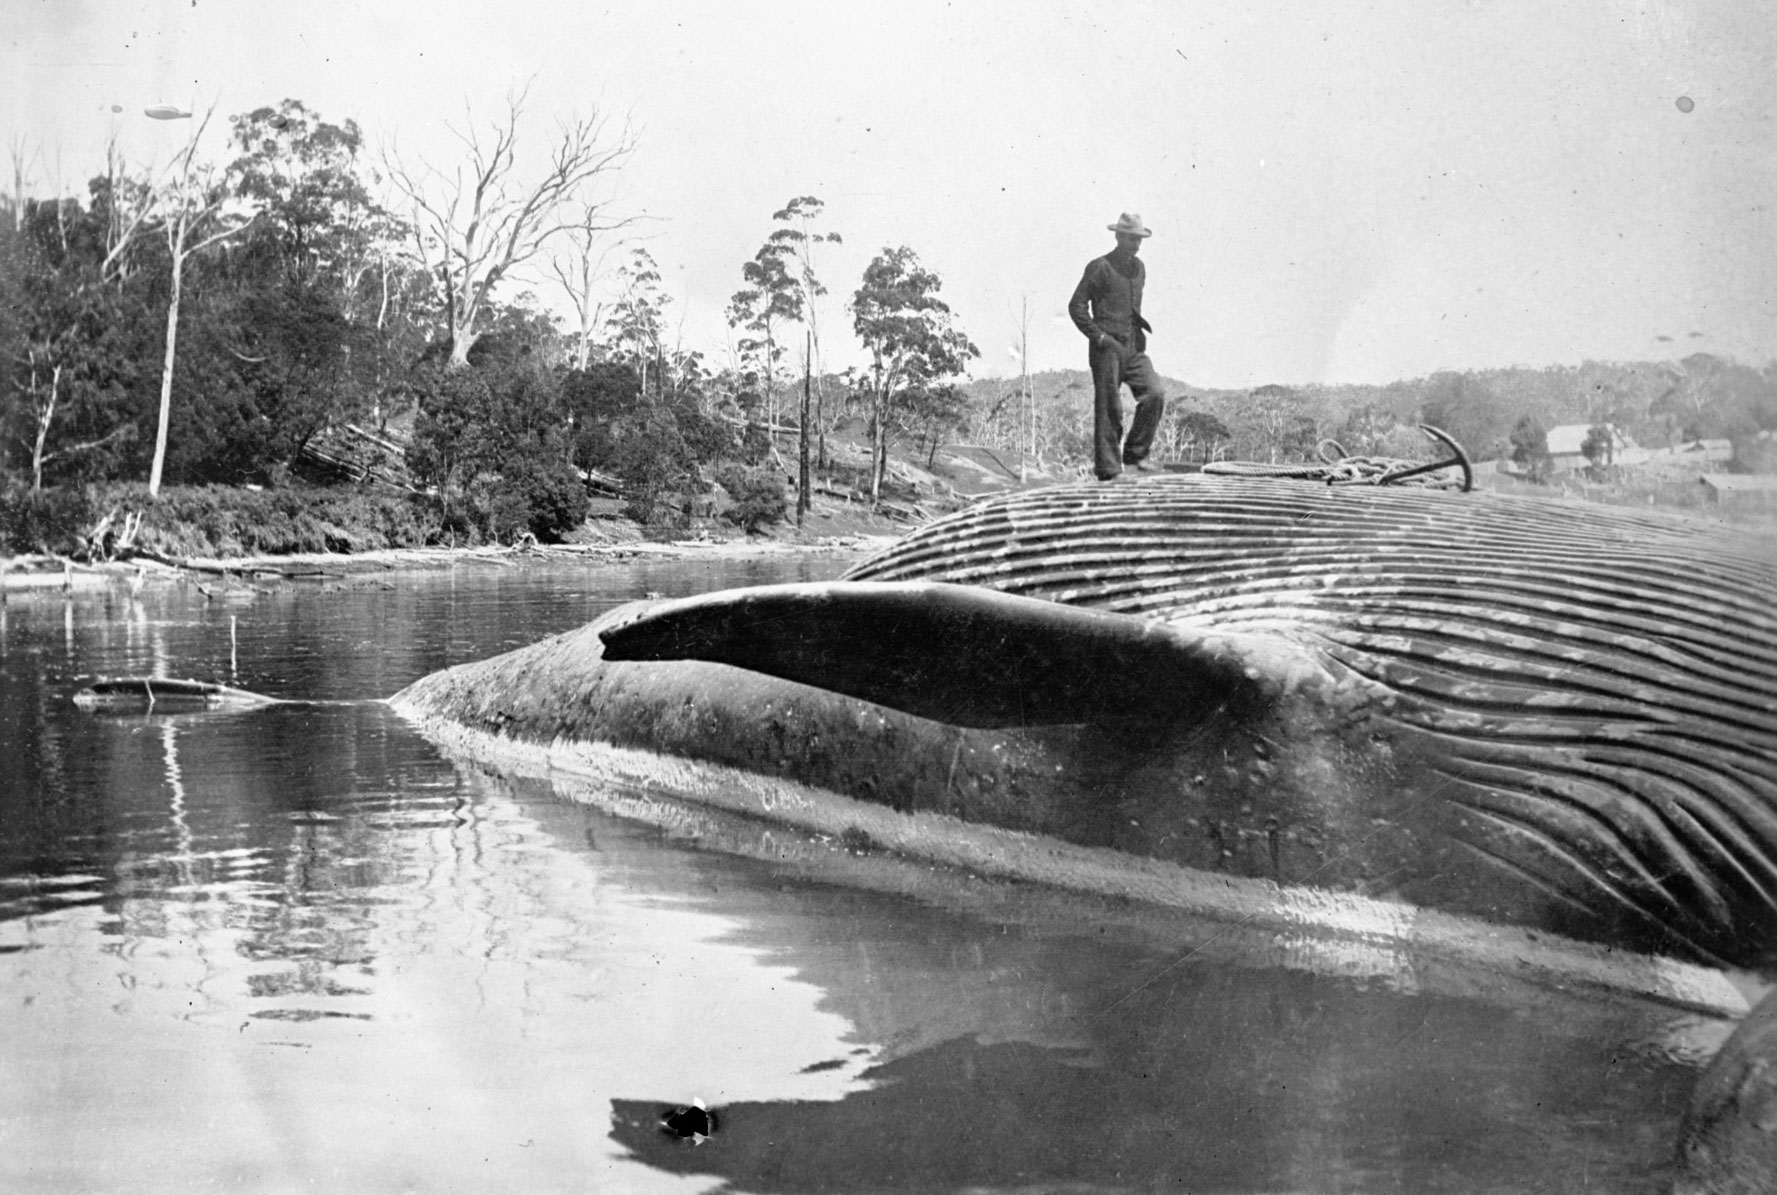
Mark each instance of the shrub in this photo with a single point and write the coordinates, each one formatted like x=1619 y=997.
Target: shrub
x=496 y=438
x=223 y=521
x=543 y=497
x=48 y=521
x=758 y=495
x=706 y=438
x=653 y=462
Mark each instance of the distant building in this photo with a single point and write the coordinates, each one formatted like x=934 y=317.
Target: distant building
x=1741 y=490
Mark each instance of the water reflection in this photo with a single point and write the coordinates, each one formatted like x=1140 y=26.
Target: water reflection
x=295 y=948
x=1028 y=1041
x=1233 y=1084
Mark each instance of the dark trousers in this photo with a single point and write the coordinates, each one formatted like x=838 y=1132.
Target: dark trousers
x=1112 y=367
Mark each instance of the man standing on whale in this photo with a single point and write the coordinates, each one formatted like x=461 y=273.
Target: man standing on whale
x=1107 y=307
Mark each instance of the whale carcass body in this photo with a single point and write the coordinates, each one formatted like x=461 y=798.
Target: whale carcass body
x=1540 y=713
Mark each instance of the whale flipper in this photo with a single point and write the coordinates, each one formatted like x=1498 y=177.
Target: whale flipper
x=952 y=653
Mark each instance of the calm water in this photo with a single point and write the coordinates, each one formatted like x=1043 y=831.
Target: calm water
x=298 y=949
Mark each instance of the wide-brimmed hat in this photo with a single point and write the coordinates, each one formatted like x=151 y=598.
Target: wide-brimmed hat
x=1130 y=222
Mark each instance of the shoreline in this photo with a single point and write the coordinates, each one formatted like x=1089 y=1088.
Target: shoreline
x=25 y=574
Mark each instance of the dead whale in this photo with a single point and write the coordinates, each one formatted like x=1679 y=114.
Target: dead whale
x=1538 y=713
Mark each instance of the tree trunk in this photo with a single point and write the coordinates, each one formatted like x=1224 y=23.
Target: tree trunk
x=460 y=344
x=771 y=419
x=49 y=412
x=804 y=492
x=878 y=408
x=166 y=375
x=820 y=426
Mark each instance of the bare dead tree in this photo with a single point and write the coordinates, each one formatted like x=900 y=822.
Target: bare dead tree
x=581 y=268
x=476 y=223
x=1026 y=412
x=129 y=202
x=21 y=159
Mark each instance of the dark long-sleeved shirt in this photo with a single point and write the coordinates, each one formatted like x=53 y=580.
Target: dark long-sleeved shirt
x=1109 y=301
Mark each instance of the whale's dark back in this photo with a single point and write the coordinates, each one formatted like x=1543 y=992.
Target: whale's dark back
x=1601 y=684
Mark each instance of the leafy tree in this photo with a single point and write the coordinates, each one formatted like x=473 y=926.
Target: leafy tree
x=929 y=412
x=494 y=440
x=911 y=336
x=1530 y=447
x=637 y=319
x=604 y=390
x=653 y=462
x=320 y=230
x=782 y=288
x=596 y=398
x=1200 y=433
x=706 y=437
x=296 y=356
x=317 y=219
x=448 y=430
x=771 y=299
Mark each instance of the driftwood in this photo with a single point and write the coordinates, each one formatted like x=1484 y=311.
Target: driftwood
x=228 y=570
x=110 y=538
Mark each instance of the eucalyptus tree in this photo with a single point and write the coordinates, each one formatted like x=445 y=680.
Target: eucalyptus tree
x=189 y=208
x=770 y=300
x=797 y=228
x=476 y=223
x=782 y=287
x=911 y=336
x=638 y=318
x=318 y=218
x=322 y=283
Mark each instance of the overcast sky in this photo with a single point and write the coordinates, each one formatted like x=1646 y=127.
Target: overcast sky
x=1338 y=191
